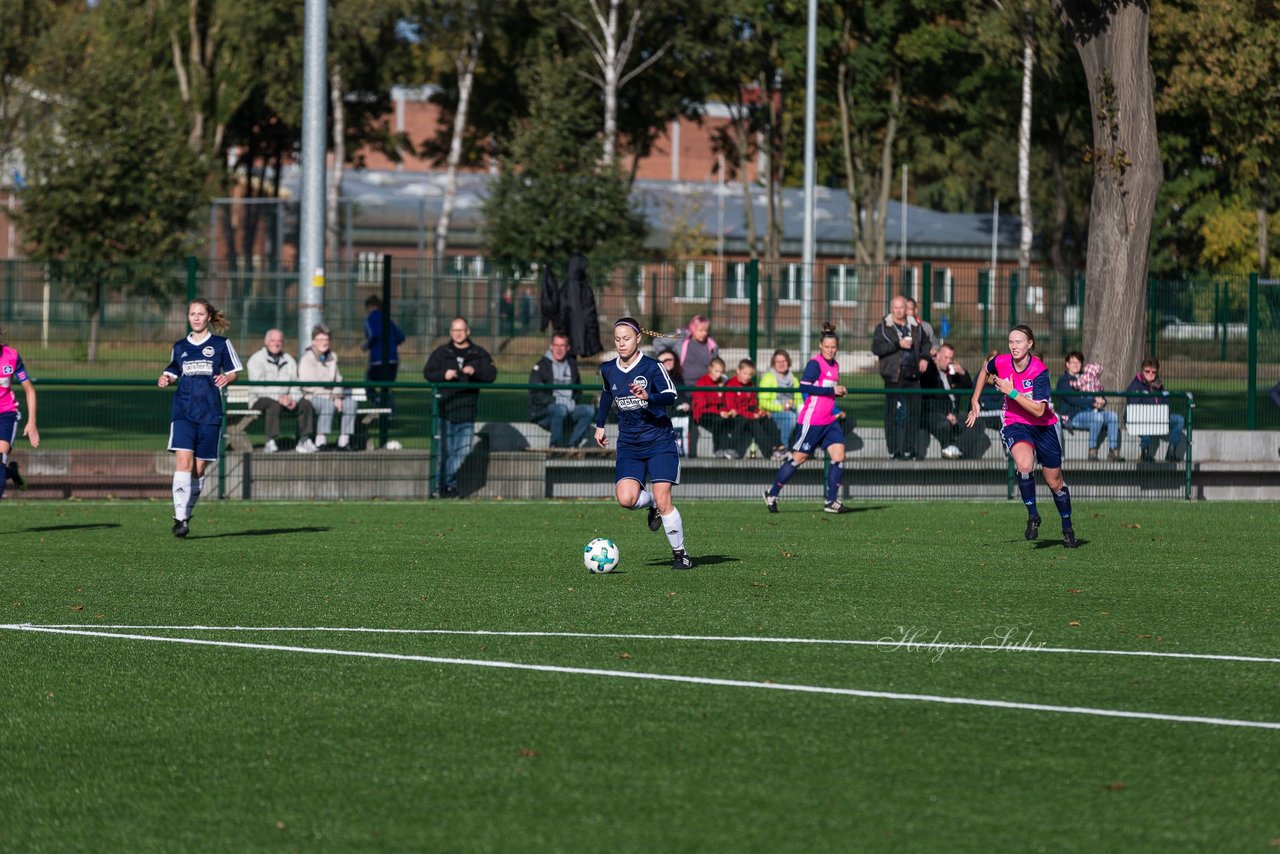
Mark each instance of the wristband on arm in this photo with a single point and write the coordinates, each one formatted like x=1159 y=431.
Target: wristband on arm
x=1013 y=393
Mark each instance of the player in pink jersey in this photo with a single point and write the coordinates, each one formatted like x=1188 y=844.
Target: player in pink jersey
x=1030 y=430
x=12 y=370
x=817 y=425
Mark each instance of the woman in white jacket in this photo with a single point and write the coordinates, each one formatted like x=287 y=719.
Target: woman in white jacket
x=319 y=364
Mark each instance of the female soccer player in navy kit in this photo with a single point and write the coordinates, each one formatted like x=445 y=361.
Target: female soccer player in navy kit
x=1030 y=430
x=646 y=443
x=817 y=425
x=203 y=364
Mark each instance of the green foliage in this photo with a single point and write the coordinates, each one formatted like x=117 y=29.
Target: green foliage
x=115 y=180
x=552 y=197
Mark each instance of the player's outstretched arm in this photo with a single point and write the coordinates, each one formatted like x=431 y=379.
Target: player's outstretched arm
x=974 y=406
x=30 y=430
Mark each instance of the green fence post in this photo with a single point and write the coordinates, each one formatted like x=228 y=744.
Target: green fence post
x=1152 y=323
x=1013 y=299
x=383 y=394
x=1187 y=435
x=1080 y=305
x=1221 y=317
x=1251 y=404
x=192 y=269
x=769 y=307
x=984 y=299
x=222 y=430
x=753 y=294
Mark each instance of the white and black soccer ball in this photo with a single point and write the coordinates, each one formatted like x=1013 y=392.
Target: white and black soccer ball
x=601 y=555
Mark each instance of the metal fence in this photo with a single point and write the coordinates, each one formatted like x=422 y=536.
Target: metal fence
x=108 y=438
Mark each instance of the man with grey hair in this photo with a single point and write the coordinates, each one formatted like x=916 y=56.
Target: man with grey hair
x=899 y=344
x=272 y=364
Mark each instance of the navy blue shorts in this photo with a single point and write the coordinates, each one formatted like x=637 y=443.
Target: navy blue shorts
x=1043 y=440
x=9 y=427
x=810 y=437
x=201 y=439
x=648 y=466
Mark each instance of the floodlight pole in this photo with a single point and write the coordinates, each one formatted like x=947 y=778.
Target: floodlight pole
x=807 y=259
x=314 y=120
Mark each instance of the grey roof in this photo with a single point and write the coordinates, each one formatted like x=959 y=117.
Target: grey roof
x=391 y=207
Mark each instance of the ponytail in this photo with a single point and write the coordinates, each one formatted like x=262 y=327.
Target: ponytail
x=634 y=324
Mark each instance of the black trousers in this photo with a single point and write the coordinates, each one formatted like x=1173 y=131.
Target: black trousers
x=901 y=417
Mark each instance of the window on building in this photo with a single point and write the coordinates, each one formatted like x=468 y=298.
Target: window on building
x=842 y=284
x=942 y=283
x=736 y=286
x=369 y=268
x=696 y=284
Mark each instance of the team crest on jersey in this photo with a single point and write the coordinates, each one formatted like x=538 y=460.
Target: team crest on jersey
x=207 y=352
x=8 y=369
x=640 y=382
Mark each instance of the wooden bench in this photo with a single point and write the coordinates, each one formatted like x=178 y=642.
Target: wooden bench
x=240 y=398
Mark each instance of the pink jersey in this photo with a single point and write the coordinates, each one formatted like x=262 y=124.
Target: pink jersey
x=11 y=372
x=819 y=409
x=1033 y=381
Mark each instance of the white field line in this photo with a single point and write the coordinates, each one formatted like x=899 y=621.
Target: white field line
x=887 y=643
x=666 y=677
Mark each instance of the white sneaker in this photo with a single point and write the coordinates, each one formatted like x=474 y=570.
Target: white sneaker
x=270 y=447
x=321 y=440
x=306 y=446
x=951 y=452
x=344 y=440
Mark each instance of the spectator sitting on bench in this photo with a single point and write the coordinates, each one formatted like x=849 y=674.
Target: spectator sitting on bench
x=752 y=425
x=273 y=364
x=711 y=409
x=1148 y=380
x=942 y=416
x=779 y=396
x=694 y=348
x=550 y=408
x=1087 y=413
x=319 y=364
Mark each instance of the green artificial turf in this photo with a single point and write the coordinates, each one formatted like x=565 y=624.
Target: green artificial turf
x=141 y=745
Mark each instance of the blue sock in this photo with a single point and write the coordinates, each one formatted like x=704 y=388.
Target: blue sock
x=1063 y=500
x=835 y=472
x=785 y=472
x=1027 y=486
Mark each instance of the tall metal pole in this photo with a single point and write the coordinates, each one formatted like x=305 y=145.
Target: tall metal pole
x=807 y=261
x=314 y=120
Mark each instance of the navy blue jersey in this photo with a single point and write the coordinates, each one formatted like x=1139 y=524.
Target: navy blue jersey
x=641 y=423
x=195 y=365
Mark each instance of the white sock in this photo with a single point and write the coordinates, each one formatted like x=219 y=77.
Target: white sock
x=181 y=493
x=196 y=488
x=674 y=526
x=645 y=499
x=321 y=440
x=344 y=440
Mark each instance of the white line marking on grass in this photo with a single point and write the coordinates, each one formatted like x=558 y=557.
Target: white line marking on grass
x=667 y=677
x=890 y=643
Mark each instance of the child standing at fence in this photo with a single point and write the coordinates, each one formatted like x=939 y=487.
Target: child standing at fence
x=647 y=449
x=817 y=425
x=202 y=365
x=1030 y=430
x=12 y=370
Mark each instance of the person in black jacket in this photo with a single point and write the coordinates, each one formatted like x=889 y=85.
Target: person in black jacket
x=899 y=343
x=943 y=416
x=459 y=361
x=551 y=407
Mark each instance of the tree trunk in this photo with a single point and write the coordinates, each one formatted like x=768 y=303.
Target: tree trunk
x=1061 y=207
x=1024 y=143
x=610 y=69
x=95 y=322
x=333 y=224
x=846 y=147
x=1112 y=44
x=465 y=62
x=879 y=220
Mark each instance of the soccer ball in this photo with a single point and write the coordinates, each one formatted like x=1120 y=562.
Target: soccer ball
x=601 y=555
